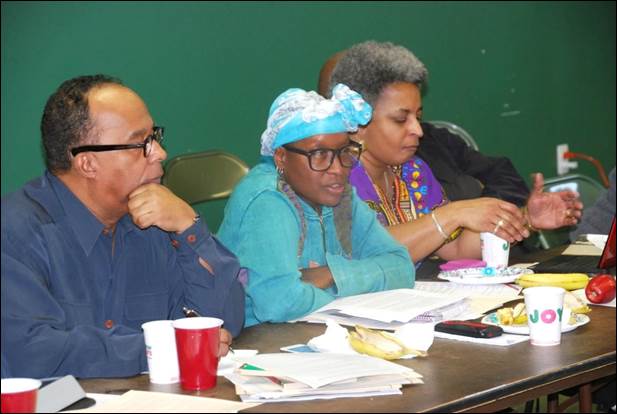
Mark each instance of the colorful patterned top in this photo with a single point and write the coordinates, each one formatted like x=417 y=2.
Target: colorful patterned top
x=416 y=192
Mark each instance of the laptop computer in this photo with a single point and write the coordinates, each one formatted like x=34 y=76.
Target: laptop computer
x=582 y=264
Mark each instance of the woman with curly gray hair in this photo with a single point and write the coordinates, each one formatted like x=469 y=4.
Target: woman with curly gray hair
x=401 y=187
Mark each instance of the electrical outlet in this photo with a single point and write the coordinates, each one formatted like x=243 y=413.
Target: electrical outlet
x=564 y=165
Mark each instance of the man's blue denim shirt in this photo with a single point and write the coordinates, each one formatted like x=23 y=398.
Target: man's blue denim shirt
x=71 y=307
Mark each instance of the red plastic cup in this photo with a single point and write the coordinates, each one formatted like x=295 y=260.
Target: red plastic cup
x=197 y=342
x=19 y=395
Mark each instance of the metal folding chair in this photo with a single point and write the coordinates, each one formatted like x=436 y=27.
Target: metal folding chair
x=204 y=176
x=455 y=129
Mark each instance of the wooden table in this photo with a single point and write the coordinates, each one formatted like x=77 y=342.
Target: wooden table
x=458 y=376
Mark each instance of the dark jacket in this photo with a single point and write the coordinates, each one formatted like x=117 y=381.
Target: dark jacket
x=465 y=173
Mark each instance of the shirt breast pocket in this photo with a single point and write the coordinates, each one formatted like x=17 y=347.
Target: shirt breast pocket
x=145 y=308
x=77 y=313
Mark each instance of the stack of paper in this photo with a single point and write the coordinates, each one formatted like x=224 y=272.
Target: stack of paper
x=390 y=309
x=480 y=298
x=297 y=377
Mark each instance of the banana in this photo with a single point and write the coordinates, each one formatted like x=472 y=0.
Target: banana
x=504 y=315
x=379 y=344
x=519 y=314
x=568 y=281
x=512 y=316
x=575 y=304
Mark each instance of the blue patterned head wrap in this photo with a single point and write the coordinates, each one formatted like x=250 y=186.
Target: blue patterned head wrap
x=297 y=114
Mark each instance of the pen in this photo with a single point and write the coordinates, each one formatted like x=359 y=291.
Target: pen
x=192 y=313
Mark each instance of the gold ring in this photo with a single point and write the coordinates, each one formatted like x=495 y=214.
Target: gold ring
x=499 y=224
x=568 y=214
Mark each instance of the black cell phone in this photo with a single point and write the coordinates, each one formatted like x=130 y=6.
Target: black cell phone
x=469 y=328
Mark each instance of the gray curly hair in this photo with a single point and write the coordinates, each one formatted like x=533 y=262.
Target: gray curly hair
x=370 y=66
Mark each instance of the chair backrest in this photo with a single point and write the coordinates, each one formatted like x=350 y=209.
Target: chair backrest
x=588 y=189
x=455 y=129
x=204 y=176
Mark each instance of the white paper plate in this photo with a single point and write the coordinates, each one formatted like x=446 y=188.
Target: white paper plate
x=491 y=319
x=483 y=275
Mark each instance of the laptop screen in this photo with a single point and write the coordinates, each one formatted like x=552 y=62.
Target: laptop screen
x=607 y=260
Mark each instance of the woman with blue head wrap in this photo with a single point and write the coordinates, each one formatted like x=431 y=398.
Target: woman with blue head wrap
x=294 y=221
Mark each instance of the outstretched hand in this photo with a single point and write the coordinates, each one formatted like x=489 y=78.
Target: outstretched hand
x=549 y=211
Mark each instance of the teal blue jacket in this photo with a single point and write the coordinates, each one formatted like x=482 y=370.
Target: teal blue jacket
x=262 y=227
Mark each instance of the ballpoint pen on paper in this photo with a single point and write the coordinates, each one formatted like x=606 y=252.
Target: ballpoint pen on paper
x=192 y=313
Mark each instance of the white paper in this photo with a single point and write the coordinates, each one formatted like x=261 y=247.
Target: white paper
x=341 y=319
x=497 y=290
x=228 y=363
x=582 y=249
x=502 y=340
x=252 y=399
x=525 y=265
x=480 y=298
x=598 y=240
x=160 y=402
x=319 y=369
x=398 y=305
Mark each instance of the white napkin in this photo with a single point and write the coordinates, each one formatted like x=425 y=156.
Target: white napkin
x=413 y=335
x=333 y=340
x=416 y=335
x=581 y=294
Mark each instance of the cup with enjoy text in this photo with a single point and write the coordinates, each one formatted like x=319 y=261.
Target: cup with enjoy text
x=495 y=250
x=544 y=306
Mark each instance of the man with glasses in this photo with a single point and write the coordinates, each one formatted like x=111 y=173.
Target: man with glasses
x=96 y=246
x=295 y=222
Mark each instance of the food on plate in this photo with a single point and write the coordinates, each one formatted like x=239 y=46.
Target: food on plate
x=518 y=314
x=575 y=304
x=510 y=316
x=601 y=289
x=568 y=281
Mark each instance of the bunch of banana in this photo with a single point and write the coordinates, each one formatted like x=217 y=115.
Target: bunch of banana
x=568 y=281
x=379 y=344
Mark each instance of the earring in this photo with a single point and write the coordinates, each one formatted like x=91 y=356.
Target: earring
x=279 y=170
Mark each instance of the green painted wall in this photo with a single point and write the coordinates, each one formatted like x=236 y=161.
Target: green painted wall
x=521 y=77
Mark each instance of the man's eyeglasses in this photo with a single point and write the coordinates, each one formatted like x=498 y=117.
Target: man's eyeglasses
x=321 y=159
x=157 y=135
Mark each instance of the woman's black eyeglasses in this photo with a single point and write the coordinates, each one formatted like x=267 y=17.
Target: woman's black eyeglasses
x=321 y=159
x=157 y=135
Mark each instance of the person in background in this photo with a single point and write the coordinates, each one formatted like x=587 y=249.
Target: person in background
x=462 y=172
x=401 y=187
x=295 y=222
x=97 y=246
x=598 y=217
